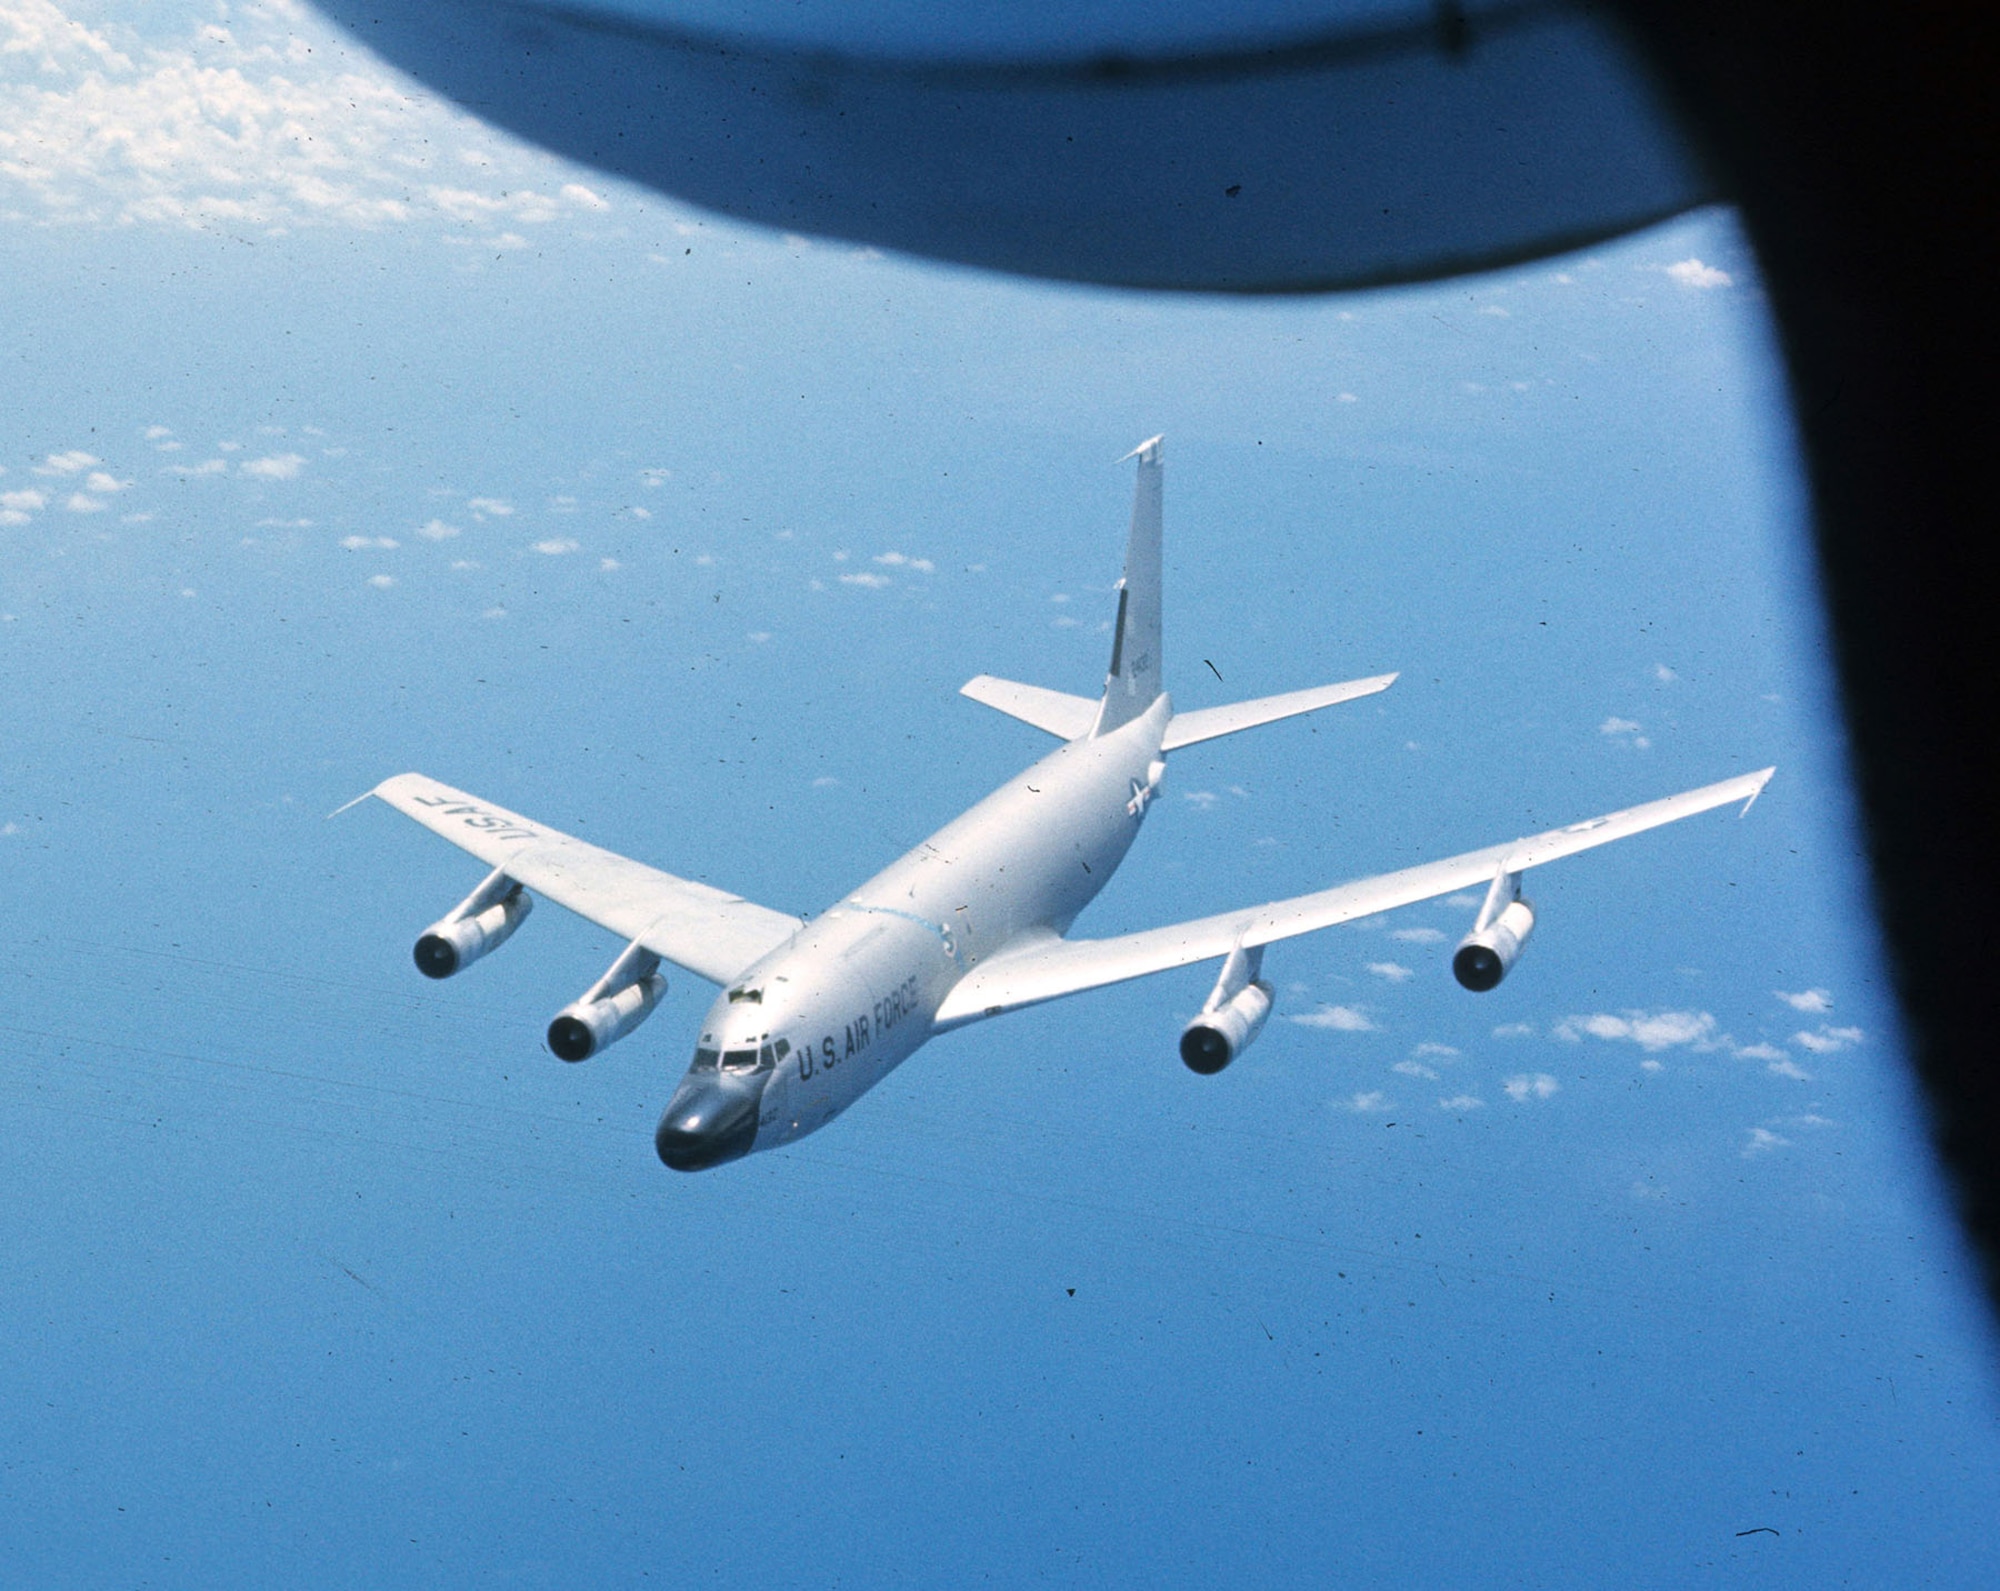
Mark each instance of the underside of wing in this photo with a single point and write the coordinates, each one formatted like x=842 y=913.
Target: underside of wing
x=711 y=933
x=1048 y=967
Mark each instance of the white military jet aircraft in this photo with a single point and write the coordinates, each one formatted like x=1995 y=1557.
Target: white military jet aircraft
x=971 y=923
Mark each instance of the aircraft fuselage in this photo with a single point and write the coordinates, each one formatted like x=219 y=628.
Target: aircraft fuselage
x=813 y=1026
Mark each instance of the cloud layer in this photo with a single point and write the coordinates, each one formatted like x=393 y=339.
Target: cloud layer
x=268 y=124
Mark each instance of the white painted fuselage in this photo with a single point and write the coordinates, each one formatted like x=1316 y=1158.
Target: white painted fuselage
x=856 y=992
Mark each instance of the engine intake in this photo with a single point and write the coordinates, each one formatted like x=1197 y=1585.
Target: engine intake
x=611 y=1007
x=1498 y=936
x=480 y=924
x=1232 y=1016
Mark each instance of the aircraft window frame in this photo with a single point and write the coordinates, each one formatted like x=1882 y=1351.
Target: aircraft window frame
x=732 y=1060
x=705 y=1059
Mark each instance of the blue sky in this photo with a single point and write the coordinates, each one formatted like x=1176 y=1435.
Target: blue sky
x=342 y=437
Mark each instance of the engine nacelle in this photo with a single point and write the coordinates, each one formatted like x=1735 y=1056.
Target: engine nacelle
x=1485 y=955
x=482 y=923
x=583 y=1028
x=1215 y=1038
x=1233 y=1014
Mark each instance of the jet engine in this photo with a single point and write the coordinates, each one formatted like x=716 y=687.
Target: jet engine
x=611 y=1008
x=1498 y=934
x=482 y=922
x=1232 y=1016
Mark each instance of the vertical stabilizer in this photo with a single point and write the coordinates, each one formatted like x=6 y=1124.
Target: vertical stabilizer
x=1133 y=684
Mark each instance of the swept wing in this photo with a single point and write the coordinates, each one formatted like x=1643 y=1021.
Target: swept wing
x=710 y=932
x=1049 y=967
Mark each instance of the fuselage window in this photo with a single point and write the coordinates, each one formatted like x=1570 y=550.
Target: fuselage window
x=704 y=1060
x=739 y=1060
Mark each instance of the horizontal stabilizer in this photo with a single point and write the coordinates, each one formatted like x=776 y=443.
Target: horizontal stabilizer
x=1065 y=716
x=1211 y=723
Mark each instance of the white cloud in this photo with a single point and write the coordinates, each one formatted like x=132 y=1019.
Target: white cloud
x=275 y=467
x=555 y=547
x=1762 y=1141
x=275 y=122
x=1625 y=726
x=205 y=467
x=1443 y=1052
x=1418 y=936
x=1201 y=799
x=1760 y=1052
x=1514 y=1030
x=1692 y=273
x=1827 y=1040
x=1369 y=1103
x=77 y=503
x=1462 y=1102
x=1462 y=900
x=490 y=507
x=154 y=433
x=1414 y=1069
x=1391 y=971
x=104 y=484
x=1530 y=1085
x=69 y=463
x=1346 y=397
x=866 y=579
x=23 y=502
x=1339 y=1018
x=897 y=560
x=1651 y=1031
x=1811 y=1001
x=609 y=564
x=381 y=582
x=1791 y=1069
x=1663 y=674
x=13 y=516
x=656 y=477
x=494 y=613
x=358 y=543
x=437 y=530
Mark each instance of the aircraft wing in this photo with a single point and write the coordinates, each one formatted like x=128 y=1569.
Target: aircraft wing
x=711 y=933
x=1050 y=967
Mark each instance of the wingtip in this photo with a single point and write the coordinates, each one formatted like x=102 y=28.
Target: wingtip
x=336 y=812
x=1761 y=777
x=1148 y=451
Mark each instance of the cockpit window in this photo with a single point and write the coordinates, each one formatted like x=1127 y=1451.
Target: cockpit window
x=771 y=1054
x=739 y=1060
x=704 y=1060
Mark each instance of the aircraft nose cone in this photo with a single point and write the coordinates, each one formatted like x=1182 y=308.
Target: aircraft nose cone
x=708 y=1123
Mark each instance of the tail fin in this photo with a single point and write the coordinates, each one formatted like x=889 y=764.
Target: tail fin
x=1134 y=682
